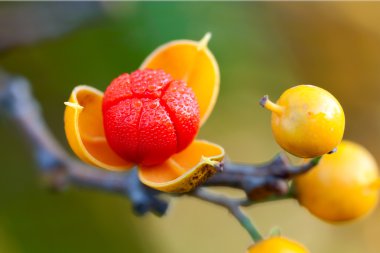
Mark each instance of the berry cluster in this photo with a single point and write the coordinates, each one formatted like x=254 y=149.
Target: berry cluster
x=149 y=119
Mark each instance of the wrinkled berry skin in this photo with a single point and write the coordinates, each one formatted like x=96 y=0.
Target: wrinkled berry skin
x=148 y=116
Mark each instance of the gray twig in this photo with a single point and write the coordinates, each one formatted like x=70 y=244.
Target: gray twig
x=233 y=206
x=260 y=183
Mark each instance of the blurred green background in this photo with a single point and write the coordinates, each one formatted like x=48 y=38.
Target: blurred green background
x=262 y=48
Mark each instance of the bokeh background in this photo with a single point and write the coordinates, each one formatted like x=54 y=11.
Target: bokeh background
x=261 y=47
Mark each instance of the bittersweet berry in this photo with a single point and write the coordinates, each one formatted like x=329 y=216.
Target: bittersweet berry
x=307 y=121
x=148 y=119
x=343 y=186
x=148 y=116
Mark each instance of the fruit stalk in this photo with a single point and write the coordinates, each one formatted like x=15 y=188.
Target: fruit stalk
x=273 y=107
x=234 y=207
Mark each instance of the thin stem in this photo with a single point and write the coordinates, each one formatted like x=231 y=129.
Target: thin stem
x=233 y=206
x=289 y=195
x=266 y=103
x=316 y=160
x=248 y=225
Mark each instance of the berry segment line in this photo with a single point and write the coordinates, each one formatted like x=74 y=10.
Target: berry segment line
x=61 y=170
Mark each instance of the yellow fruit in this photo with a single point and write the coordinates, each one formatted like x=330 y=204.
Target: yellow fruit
x=307 y=121
x=277 y=244
x=343 y=186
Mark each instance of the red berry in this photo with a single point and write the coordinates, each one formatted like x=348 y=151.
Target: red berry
x=148 y=116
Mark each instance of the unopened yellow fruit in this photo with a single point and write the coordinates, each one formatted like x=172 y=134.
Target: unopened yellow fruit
x=343 y=186
x=307 y=121
x=277 y=244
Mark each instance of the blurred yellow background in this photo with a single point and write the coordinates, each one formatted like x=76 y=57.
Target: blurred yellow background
x=262 y=48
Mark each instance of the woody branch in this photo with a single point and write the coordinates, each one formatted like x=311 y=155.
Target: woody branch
x=260 y=183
